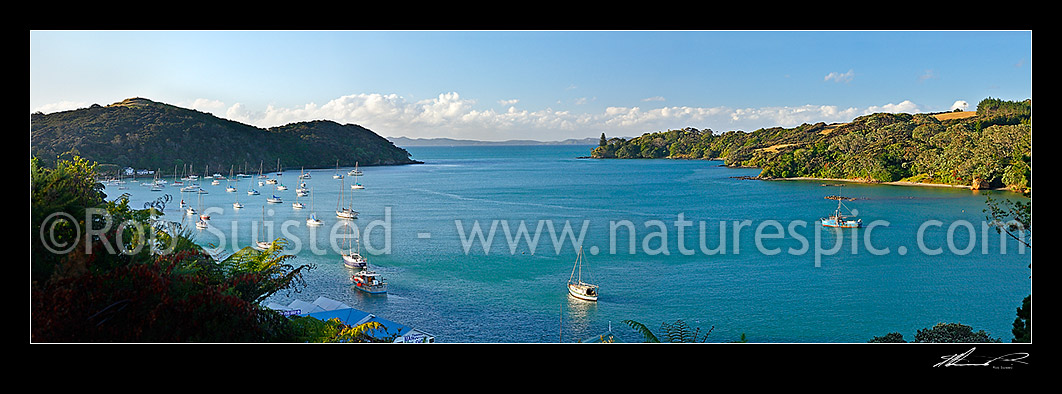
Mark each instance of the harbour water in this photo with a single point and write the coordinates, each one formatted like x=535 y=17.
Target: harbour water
x=665 y=240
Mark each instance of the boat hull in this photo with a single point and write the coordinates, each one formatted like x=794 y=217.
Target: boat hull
x=354 y=262
x=586 y=293
x=841 y=223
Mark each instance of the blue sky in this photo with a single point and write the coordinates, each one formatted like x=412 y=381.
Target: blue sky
x=543 y=85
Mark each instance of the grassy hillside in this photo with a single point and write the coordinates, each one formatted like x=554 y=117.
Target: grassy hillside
x=988 y=148
x=144 y=134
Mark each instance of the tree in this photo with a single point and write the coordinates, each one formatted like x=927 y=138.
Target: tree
x=952 y=333
x=1022 y=324
x=677 y=332
x=892 y=337
x=603 y=141
x=167 y=290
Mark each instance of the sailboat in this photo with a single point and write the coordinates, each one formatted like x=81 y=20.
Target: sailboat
x=337 y=174
x=274 y=200
x=353 y=259
x=838 y=219
x=576 y=287
x=250 y=189
x=262 y=245
x=236 y=204
x=176 y=181
x=369 y=282
x=202 y=222
x=304 y=174
x=313 y=220
x=344 y=212
x=277 y=180
x=355 y=171
x=297 y=204
x=189 y=210
x=229 y=188
x=203 y=215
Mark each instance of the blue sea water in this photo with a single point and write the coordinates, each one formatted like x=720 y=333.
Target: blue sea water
x=709 y=248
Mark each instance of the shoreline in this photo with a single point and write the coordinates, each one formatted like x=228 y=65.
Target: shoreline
x=894 y=183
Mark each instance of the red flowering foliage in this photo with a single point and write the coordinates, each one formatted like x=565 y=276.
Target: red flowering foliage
x=148 y=303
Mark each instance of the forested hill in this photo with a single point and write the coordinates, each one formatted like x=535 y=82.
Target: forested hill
x=989 y=148
x=145 y=134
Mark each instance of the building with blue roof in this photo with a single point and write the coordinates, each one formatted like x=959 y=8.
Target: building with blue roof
x=325 y=309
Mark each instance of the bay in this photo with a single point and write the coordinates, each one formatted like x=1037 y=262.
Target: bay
x=726 y=269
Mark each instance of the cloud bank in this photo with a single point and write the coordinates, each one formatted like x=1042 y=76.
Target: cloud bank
x=453 y=116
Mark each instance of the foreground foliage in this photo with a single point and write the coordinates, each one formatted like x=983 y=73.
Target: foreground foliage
x=151 y=285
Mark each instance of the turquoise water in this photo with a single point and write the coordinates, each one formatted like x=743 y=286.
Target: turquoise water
x=416 y=223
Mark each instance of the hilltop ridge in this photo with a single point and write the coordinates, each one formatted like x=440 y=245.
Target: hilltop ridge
x=141 y=133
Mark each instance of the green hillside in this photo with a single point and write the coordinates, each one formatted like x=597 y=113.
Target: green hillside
x=989 y=148
x=144 y=134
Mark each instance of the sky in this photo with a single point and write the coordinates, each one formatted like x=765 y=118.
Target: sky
x=544 y=85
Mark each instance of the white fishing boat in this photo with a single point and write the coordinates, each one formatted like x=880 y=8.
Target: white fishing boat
x=369 y=282
x=839 y=219
x=576 y=287
x=313 y=220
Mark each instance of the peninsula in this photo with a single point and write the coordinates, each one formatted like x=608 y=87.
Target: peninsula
x=989 y=148
x=145 y=134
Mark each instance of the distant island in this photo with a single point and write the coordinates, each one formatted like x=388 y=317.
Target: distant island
x=144 y=134
x=403 y=141
x=989 y=148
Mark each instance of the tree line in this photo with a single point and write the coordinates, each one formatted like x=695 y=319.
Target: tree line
x=991 y=149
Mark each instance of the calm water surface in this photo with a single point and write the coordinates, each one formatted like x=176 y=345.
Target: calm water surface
x=417 y=225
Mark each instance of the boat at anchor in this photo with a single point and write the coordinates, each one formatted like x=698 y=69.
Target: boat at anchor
x=576 y=287
x=369 y=282
x=839 y=219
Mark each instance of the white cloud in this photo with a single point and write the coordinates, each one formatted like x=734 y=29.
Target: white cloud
x=654 y=98
x=509 y=102
x=960 y=104
x=450 y=115
x=929 y=74
x=61 y=106
x=840 y=77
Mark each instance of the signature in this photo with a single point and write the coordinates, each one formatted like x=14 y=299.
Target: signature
x=960 y=360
